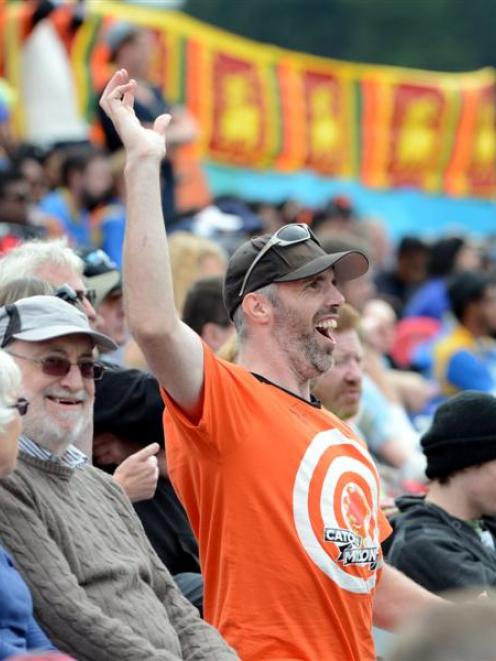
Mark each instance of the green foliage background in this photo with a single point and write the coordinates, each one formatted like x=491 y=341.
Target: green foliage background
x=442 y=35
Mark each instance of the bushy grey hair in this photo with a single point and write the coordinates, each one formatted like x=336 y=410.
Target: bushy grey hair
x=239 y=319
x=26 y=259
x=10 y=385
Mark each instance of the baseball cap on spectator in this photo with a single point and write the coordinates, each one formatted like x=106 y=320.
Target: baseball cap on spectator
x=101 y=274
x=299 y=258
x=40 y=318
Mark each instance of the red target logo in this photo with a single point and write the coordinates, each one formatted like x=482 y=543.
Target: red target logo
x=335 y=506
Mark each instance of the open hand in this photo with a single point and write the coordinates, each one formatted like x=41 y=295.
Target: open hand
x=117 y=101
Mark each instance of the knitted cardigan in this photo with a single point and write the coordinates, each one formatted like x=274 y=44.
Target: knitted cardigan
x=99 y=590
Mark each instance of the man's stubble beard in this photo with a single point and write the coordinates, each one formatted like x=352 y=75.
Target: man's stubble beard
x=308 y=358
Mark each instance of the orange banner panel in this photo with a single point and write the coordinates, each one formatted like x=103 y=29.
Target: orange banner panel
x=327 y=119
x=481 y=166
x=417 y=135
x=239 y=111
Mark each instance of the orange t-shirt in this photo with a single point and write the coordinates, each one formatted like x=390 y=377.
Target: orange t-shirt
x=284 y=502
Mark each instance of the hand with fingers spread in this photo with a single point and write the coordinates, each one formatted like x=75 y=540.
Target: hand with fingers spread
x=117 y=101
x=138 y=474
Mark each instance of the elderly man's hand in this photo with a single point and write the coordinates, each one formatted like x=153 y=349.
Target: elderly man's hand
x=117 y=101
x=138 y=474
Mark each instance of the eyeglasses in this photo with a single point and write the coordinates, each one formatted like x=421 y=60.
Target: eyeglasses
x=21 y=405
x=60 y=366
x=75 y=296
x=288 y=235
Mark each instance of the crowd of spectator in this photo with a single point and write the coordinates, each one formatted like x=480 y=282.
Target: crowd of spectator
x=114 y=547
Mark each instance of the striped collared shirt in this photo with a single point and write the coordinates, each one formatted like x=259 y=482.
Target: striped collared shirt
x=72 y=457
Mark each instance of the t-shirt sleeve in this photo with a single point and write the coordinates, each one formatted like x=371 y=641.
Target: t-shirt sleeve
x=467 y=372
x=228 y=404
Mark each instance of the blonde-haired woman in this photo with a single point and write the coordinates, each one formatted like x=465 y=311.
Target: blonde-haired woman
x=19 y=633
x=193 y=257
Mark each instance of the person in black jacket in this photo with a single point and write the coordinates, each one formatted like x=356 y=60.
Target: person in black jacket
x=447 y=540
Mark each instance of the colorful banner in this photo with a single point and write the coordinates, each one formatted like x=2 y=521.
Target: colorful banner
x=262 y=107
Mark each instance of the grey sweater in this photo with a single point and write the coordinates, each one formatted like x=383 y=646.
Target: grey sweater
x=99 y=590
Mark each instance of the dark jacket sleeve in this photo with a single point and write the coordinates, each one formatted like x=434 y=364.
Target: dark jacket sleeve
x=439 y=561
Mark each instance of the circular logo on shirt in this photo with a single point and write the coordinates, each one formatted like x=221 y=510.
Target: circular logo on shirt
x=335 y=504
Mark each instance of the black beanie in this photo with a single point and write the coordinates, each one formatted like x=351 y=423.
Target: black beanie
x=462 y=434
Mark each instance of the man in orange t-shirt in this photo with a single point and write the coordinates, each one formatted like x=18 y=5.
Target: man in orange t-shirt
x=283 y=498
x=284 y=502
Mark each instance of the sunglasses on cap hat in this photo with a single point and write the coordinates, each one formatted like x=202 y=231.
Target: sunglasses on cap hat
x=288 y=235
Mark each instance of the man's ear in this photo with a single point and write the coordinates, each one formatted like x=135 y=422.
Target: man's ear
x=257 y=308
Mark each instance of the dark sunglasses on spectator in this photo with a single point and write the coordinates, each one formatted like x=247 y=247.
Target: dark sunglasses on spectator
x=75 y=296
x=59 y=366
x=21 y=405
x=285 y=236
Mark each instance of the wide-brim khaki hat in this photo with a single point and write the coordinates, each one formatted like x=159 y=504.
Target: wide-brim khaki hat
x=40 y=318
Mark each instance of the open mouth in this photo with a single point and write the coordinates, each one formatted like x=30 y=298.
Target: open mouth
x=326 y=327
x=65 y=401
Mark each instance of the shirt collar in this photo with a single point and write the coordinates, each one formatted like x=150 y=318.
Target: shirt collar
x=72 y=457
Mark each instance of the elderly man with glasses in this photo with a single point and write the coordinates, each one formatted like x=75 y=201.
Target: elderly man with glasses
x=99 y=590
x=283 y=498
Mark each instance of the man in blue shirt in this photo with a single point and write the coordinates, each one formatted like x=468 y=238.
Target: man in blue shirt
x=465 y=358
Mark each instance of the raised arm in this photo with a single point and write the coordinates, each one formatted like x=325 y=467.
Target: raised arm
x=173 y=351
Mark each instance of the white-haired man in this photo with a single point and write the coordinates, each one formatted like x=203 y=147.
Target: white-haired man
x=56 y=263
x=127 y=421
x=99 y=590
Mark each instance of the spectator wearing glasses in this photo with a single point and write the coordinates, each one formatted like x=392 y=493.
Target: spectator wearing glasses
x=128 y=414
x=282 y=496
x=99 y=590
x=52 y=261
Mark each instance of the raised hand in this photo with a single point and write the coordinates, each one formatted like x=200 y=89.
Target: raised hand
x=117 y=101
x=138 y=474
